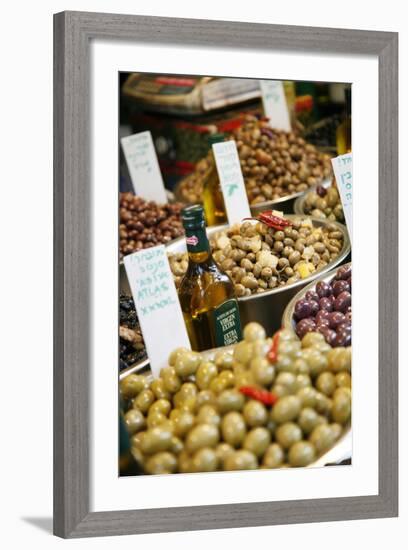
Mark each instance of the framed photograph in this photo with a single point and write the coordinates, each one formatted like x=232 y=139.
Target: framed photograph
x=210 y=369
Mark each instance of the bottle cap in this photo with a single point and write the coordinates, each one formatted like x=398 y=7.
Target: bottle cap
x=193 y=216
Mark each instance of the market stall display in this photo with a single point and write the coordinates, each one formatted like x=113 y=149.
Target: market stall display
x=321 y=202
x=264 y=403
x=131 y=345
x=325 y=307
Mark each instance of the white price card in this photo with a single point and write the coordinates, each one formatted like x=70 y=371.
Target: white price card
x=275 y=105
x=232 y=181
x=144 y=167
x=343 y=172
x=157 y=304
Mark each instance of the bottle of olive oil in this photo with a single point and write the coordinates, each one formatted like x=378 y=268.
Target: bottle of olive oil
x=213 y=198
x=206 y=293
x=343 y=133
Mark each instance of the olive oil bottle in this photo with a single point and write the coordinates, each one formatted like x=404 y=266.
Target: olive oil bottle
x=343 y=133
x=206 y=293
x=213 y=198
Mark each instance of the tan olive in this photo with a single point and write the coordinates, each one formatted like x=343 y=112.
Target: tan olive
x=241 y=460
x=174 y=355
x=255 y=413
x=183 y=422
x=161 y=463
x=286 y=408
x=257 y=441
x=135 y=421
x=208 y=415
x=262 y=370
x=301 y=453
x=202 y=435
x=274 y=456
x=326 y=383
x=156 y=439
x=233 y=428
x=322 y=437
x=187 y=363
x=143 y=400
x=309 y=419
x=343 y=379
x=230 y=400
x=287 y=434
x=161 y=405
x=223 y=450
x=157 y=387
x=206 y=372
x=204 y=460
x=132 y=385
x=254 y=331
x=341 y=410
x=171 y=381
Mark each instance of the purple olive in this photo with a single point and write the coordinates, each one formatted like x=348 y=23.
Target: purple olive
x=348 y=316
x=303 y=309
x=340 y=286
x=321 y=191
x=322 y=317
x=304 y=326
x=344 y=272
x=344 y=327
x=312 y=296
x=342 y=339
x=326 y=304
x=323 y=289
x=343 y=301
x=329 y=334
x=314 y=307
x=336 y=317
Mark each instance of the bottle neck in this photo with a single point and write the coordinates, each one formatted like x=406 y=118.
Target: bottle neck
x=198 y=245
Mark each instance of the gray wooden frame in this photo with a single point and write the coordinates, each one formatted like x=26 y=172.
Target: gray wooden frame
x=72 y=34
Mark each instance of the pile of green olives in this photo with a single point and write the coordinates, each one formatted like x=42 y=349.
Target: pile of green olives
x=194 y=418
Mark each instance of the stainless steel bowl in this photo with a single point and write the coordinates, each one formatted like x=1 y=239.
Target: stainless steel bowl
x=287 y=317
x=266 y=307
x=336 y=455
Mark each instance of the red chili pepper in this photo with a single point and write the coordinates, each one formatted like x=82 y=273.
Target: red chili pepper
x=269 y=219
x=264 y=396
x=273 y=351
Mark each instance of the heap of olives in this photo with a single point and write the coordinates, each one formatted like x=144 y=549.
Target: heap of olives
x=196 y=417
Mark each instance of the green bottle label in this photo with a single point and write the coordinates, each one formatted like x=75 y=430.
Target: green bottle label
x=197 y=240
x=227 y=324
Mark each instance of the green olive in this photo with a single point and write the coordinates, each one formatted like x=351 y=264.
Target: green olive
x=302 y=381
x=161 y=405
x=323 y=403
x=187 y=363
x=307 y=396
x=339 y=359
x=260 y=348
x=136 y=439
x=300 y=366
x=301 y=454
x=312 y=338
x=255 y=413
x=322 y=437
x=155 y=440
x=176 y=445
x=155 y=419
x=230 y=400
x=183 y=422
x=316 y=361
x=280 y=391
x=287 y=379
x=309 y=419
x=290 y=348
x=343 y=379
x=171 y=381
x=132 y=385
x=143 y=400
x=233 y=428
x=206 y=372
x=337 y=430
x=241 y=460
x=184 y=462
x=205 y=397
x=286 y=408
x=208 y=415
x=245 y=378
x=161 y=463
x=285 y=363
x=135 y=421
x=274 y=456
x=223 y=450
x=254 y=331
x=175 y=354
x=243 y=352
x=204 y=460
x=223 y=360
x=157 y=387
x=341 y=410
x=202 y=435
x=326 y=383
x=257 y=441
x=287 y=434
x=262 y=370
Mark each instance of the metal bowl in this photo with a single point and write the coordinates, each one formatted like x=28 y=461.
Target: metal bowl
x=266 y=307
x=336 y=455
x=287 y=317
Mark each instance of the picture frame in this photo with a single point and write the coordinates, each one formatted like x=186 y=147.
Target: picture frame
x=73 y=32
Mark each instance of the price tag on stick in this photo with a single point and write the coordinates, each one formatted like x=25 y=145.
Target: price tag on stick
x=157 y=304
x=343 y=172
x=143 y=166
x=232 y=181
x=275 y=105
